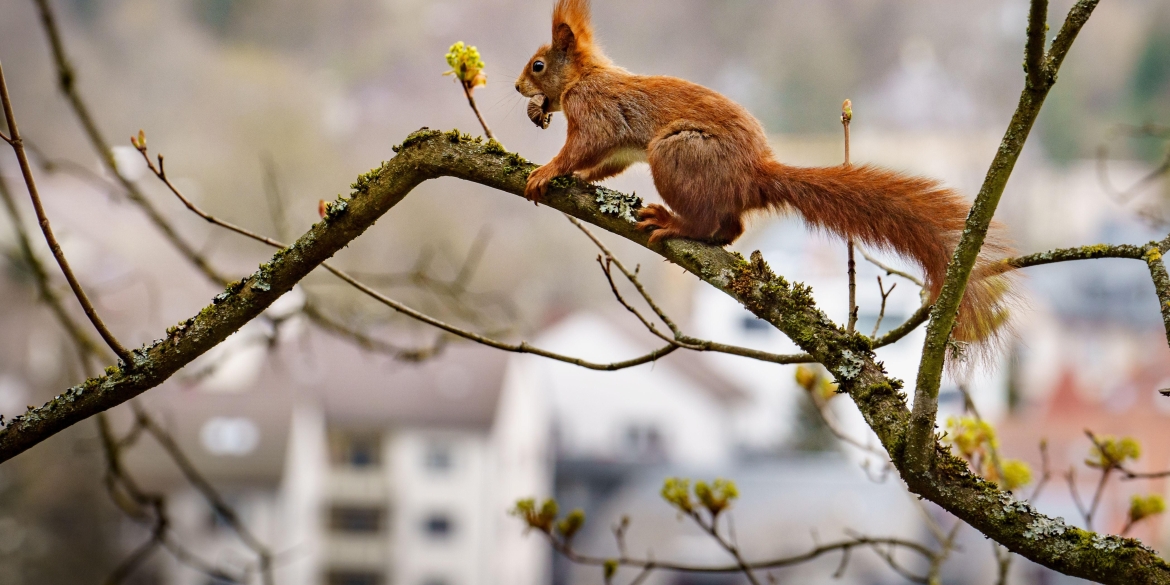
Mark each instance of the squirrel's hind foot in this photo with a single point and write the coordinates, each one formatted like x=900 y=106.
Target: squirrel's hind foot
x=658 y=219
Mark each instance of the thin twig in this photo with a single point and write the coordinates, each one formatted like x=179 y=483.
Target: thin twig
x=47 y=230
x=68 y=86
x=856 y=541
x=1071 y=478
x=467 y=90
x=679 y=339
x=145 y=507
x=846 y=118
x=882 y=314
x=1045 y=472
x=892 y=271
x=1101 y=483
x=1124 y=195
x=204 y=487
x=918 y=318
x=733 y=550
x=1003 y=562
x=87 y=345
x=522 y=347
x=67 y=82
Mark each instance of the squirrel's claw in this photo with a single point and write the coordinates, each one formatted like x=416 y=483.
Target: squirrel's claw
x=537 y=185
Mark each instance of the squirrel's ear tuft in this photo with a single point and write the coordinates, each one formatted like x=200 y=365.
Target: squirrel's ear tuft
x=563 y=38
x=571 y=25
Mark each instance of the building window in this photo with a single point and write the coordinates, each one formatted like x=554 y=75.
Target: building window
x=350 y=577
x=438 y=526
x=644 y=441
x=357 y=519
x=438 y=457
x=229 y=436
x=357 y=450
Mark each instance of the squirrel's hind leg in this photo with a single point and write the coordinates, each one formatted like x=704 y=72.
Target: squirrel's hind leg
x=730 y=229
x=659 y=219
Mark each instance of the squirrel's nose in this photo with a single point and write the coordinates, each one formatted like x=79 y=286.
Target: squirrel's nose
x=517 y=86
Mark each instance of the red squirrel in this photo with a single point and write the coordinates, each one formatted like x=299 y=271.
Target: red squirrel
x=712 y=164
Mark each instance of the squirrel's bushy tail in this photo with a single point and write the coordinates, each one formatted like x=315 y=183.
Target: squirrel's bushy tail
x=914 y=217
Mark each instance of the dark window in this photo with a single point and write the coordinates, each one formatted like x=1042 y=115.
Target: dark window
x=438 y=526
x=356 y=450
x=438 y=457
x=363 y=453
x=354 y=578
x=356 y=519
x=644 y=442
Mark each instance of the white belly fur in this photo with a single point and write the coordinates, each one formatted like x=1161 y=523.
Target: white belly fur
x=627 y=156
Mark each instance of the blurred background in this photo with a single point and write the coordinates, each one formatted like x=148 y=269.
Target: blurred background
x=358 y=468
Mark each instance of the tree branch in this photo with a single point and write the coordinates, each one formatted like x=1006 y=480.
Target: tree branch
x=1037 y=38
x=86 y=344
x=209 y=493
x=68 y=87
x=679 y=338
x=1157 y=266
x=921 y=443
x=567 y=551
x=47 y=229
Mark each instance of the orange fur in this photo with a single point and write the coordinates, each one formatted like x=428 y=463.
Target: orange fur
x=711 y=164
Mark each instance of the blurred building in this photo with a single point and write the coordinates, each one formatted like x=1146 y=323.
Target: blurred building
x=353 y=468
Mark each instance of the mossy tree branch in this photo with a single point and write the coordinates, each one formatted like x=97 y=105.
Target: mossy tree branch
x=787 y=306
x=1042 y=69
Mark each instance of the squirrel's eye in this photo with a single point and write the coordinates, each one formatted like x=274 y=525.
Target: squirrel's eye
x=537 y=66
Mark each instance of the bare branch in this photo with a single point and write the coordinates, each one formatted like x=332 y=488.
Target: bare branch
x=1124 y=195
x=882 y=313
x=918 y=318
x=68 y=87
x=679 y=339
x=1157 y=266
x=86 y=345
x=851 y=265
x=1072 y=254
x=467 y=90
x=1045 y=472
x=1077 y=17
x=47 y=230
x=144 y=507
x=522 y=347
x=857 y=541
x=413 y=354
x=67 y=83
x=921 y=441
x=893 y=271
x=1037 y=38
x=209 y=493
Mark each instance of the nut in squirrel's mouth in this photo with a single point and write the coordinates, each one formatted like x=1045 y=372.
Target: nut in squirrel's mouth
x=538 y=110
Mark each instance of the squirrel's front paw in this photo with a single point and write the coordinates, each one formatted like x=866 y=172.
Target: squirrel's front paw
x=537 y=185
